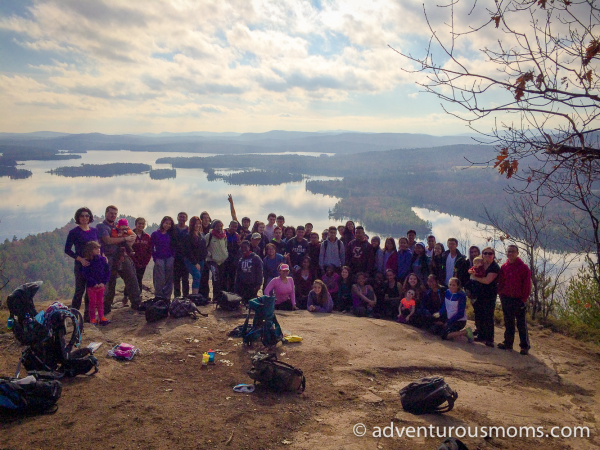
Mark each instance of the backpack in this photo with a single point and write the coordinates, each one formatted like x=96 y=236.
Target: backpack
x=339 y=244
x=36 y=393
x=198 y=299
x=228 y=301
x=453 y=444
x=264 y=325
x=427 y=395
x=181 y=307
x=276 y=375
x=44 y=334
x=157 y=310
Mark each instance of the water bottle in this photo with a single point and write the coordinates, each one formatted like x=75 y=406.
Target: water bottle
x=204 y=359
x=211 y=356
x=9 y=323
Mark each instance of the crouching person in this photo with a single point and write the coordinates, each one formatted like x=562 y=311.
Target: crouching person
x=249 y=274
x=363 y=297
x=450 y=321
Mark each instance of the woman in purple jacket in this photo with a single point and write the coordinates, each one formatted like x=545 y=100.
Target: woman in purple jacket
x=163 y=254
x=79 y=237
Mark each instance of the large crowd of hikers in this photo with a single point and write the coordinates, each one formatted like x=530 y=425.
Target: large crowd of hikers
x=422 y=284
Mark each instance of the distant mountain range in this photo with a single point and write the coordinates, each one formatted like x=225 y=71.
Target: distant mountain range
x=342 y=142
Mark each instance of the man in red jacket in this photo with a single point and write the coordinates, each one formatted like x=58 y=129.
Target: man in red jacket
x=514 y=287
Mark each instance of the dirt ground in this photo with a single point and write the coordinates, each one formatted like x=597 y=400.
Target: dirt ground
x=354 y=367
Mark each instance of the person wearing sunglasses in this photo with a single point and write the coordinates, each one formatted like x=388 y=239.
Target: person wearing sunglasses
x=78 y=237
x=486 y=302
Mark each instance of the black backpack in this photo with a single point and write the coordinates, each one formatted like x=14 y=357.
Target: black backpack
x=228 y=301
x=198 y=299
x=276 y=375
x=453 y=444
x=157 y=309
x=37 y=394
x=427 y=396
x=181 y=307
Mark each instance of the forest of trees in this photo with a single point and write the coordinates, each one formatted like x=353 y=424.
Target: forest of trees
x=101 y=170
x=163 y=174
x=42 y=257
x=255 y=177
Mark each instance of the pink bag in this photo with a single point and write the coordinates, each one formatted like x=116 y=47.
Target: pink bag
x=123 y=351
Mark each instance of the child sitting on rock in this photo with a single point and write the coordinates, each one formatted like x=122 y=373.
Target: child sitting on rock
x=407 y=307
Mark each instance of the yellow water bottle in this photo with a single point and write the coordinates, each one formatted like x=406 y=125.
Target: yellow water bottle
x=205 y=358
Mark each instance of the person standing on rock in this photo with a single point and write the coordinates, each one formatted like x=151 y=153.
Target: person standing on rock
x=79 y=237
x=514 y=287
x=123 y=267
x=181 y=276
x=249 y=273
x=486 y=302
x=163 y=243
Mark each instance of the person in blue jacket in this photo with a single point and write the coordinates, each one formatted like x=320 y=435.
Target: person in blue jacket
x=452 y=317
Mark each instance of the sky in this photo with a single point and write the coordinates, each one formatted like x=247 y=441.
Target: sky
x=115 y=66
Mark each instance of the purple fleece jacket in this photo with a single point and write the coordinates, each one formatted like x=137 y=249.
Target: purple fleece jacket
x=98 y=272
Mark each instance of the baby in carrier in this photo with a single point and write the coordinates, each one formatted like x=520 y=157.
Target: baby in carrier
x=472 y=288
x=123 y=230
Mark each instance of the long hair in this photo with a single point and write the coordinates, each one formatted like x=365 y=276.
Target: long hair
x=390 y=239
x=322 y=297
x=419 y=288
x=193 y=221
x=170 y=231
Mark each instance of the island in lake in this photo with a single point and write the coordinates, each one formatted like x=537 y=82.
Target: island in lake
x=255 y=177
x=101 y=170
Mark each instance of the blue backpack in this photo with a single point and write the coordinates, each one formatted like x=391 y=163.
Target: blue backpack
x=264 y=324
x=36 y=393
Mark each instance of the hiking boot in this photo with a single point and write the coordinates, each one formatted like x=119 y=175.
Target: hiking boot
x=503 y=346
x=524 y=351
x=470 y=336
x=125 y=301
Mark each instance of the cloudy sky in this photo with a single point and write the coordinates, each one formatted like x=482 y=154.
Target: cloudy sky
x=116 y=66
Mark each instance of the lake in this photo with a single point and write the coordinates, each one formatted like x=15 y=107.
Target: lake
x=44 y=202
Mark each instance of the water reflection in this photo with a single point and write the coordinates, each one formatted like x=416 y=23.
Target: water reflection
x=45 y=202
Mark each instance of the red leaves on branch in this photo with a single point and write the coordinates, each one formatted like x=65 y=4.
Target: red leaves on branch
x=497 y=20
x=520 y=85
x=542 y=3
x=592 y=50
x=505 y=165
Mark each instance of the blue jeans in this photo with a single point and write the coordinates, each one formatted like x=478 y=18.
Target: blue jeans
x=194 y=272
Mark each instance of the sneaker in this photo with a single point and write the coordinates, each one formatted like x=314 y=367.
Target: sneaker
x=524 y=351
x=470 y=336
x=104 y=321
x=93 y=321
x=503 y=346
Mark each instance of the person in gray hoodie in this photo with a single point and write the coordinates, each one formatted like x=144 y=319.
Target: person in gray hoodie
x=249 y=274
x=332 y=252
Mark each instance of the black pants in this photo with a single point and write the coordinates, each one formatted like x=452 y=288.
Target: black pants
x=80 y=290
x=387 y=308
x=484 y=317
x=229 y=274
x=247 y=292
x=204 y=277
x=285 y=306
x=515 y=309
x=181 y=277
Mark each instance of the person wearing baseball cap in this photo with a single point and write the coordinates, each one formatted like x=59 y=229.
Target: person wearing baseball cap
x=283 y=289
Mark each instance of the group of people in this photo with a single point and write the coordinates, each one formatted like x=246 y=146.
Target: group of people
x=423 y=284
